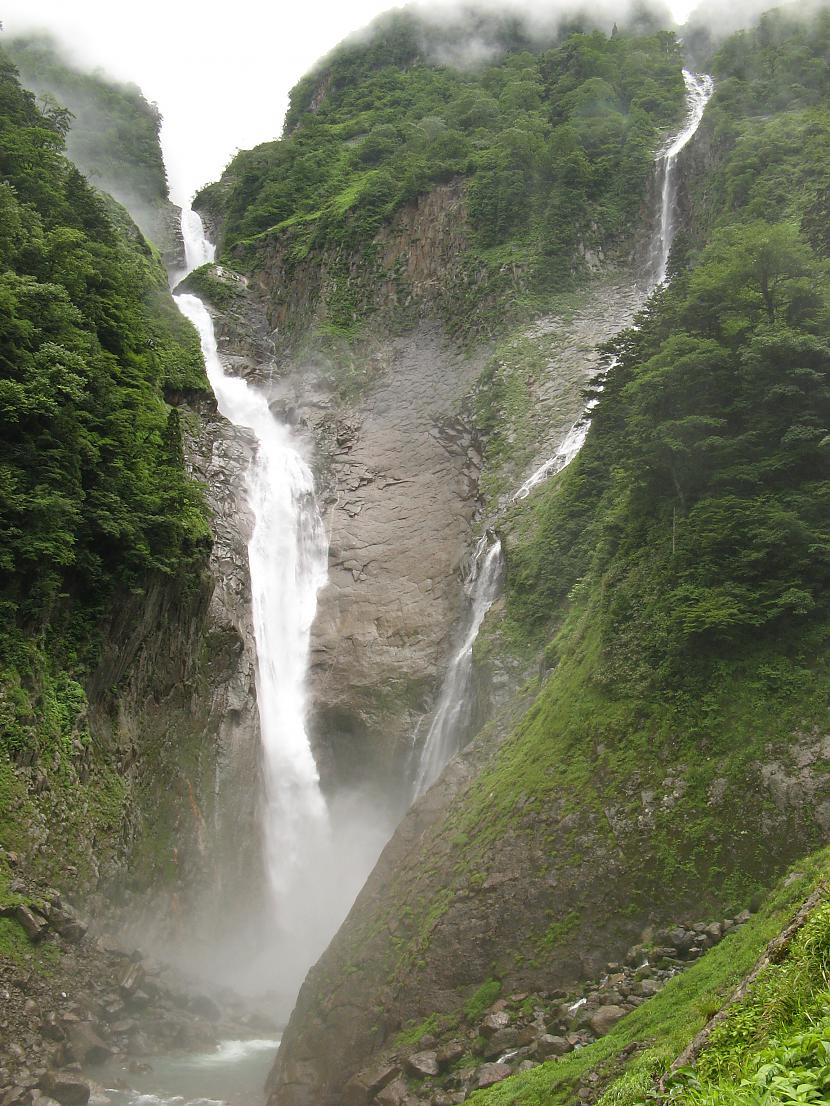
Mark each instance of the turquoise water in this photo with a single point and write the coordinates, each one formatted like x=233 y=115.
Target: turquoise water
x=233 y=1075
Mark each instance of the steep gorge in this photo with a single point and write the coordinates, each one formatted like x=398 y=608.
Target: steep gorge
x=649 y=689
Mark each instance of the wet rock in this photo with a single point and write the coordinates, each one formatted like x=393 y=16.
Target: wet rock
x=68 y=1088
x=489 y=1074
x=450 y=1054
x=363 y=1087
x=203 y=1006
x=394 y=1094
x=494 y=1022
x=549 y=1045
x=51 y=1029
x=34 y=925
x=605 y=1018
x=130 y=980
x=423 y=1063
x=85 y=1044
x=500 y=1042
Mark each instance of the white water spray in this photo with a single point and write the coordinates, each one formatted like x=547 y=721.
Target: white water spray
x=699 y=88
x=452 y=715
x=454 y=707
x=287 y=557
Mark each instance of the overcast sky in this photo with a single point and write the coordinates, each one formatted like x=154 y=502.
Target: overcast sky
x=219 y=71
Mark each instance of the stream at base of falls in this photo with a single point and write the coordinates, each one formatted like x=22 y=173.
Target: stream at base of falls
x=234 y=1073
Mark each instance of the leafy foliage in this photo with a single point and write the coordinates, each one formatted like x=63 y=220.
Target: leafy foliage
x=555 y=137
x=112 y=131
x=93 y=494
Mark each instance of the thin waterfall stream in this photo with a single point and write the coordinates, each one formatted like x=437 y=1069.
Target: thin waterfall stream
x=454 y=706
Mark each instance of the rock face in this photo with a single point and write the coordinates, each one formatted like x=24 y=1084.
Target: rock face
x=403 y=480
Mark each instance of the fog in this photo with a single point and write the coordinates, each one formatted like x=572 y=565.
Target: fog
x=220 y=75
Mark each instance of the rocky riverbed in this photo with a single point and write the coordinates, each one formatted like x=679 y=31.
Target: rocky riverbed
x=71 y=1002
x=455 y=1057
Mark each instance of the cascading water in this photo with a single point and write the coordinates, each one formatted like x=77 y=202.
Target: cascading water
x=287 y=556
x=453 y=713
x=699 y=88
x=571 y=445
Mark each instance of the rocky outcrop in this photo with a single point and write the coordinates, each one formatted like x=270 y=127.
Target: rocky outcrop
x=174 y=693
x=72 y=1003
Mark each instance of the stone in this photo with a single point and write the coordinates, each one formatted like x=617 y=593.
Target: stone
x=423 y=1063
x=500 y=1042
x=33 y=924
x=203 y=1006
x=130 y=980
x=648 y=987
x=393 y=1094
x=85 y=1044
x=14 y=1096
x=66 y=1087
x=450 y=1054
x=526 y=1065
x=51 y=1029
x=550 y=1045
x=489 y=1074
x=604 y=1018
x=363 y=1086
x=493 y=1023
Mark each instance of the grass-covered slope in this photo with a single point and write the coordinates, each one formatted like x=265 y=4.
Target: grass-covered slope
x=94 y=498
x=771 y=1038
x=549 y=135
x=674 y=582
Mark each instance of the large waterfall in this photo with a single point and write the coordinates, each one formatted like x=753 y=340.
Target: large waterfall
x=453 y=710
x=287 y=556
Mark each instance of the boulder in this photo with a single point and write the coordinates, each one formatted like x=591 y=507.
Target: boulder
x=393 y=1094
x=604 y=1018
x=489 y=1074
x=421 y=1064
x=493 y=1023
x=203 y=1006
x=34 y=924
x=85 y=1044
x=500 y=1042
x=548 y=1045
x=648 y=987
x=363 y=1086
x=450 y=1054
x=66 y=1087
x=130 y=980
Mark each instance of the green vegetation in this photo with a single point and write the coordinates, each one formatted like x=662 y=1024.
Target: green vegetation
x=211 y=284
x=485 y=996
x=94 y=499
x=554 y=137
x=112 y=131
x=659 y=1030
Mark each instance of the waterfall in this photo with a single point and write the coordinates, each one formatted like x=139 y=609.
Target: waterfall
x=699 y=88
x=571 y=445
x=287 y=553
x=453 y=713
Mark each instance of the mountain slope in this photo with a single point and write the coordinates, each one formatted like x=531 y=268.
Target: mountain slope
x=673 y=759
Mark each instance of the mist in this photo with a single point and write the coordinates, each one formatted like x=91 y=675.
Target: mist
x=220 y=77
